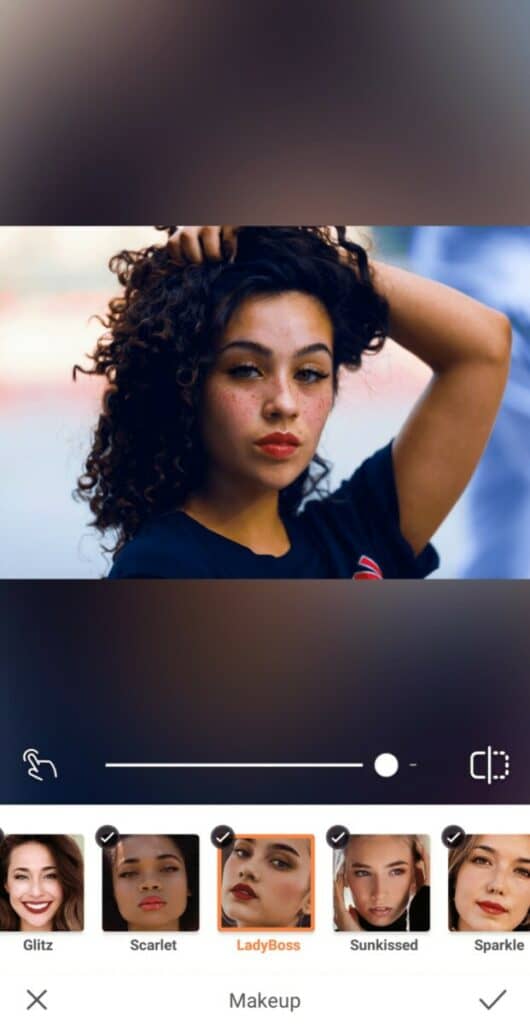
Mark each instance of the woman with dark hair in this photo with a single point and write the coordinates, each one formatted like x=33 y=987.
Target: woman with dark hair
x=151 y=883
x=41 y=884
x=222 y=360
x=489 y=884
x=266 y=883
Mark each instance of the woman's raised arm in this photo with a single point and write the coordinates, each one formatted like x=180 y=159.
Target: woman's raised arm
x=467 y=346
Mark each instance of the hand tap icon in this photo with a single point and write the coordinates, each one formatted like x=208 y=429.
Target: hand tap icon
x=31 y=757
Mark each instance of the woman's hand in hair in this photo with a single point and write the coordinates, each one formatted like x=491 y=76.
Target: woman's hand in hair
x=346 y=920
x=422 y=869
x=203 y=244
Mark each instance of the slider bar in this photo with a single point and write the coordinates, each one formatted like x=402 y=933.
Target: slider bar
x=232 y=764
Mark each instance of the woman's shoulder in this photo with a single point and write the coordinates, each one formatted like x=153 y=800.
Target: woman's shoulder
x=164 y=548
x=362 y=515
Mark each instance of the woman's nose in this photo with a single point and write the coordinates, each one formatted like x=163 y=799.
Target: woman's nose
x=378 y=887
x=247 y=871
x=497 y=882
x=281 y=399
x=149 y=883
x=35 y=887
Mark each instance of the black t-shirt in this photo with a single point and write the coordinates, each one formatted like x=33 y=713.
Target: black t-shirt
x=352 y=533
x=416 y=919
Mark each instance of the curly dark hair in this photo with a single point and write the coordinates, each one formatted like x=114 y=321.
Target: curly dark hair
x=147 y=454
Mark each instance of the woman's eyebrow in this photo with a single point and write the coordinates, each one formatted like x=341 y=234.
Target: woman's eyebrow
x=49 y=867
x=159 y=856
x=392 y=864
x=255 y=346
x=490 y=849
x=284 y=846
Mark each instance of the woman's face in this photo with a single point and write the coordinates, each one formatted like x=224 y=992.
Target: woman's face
x=273 y=375
x=267 y=882
x=379 y=871
x=150 y=883
x=492 y=891
x=35 y=892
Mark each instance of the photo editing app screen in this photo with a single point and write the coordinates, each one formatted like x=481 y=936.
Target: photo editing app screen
x=264 y=621
x=290 y=801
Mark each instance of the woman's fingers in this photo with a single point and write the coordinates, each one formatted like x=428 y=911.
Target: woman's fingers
x=355 y=921
x=210 y=239
x=190 y=246
x=197 y=244
x=425 y=862
x=229 y=240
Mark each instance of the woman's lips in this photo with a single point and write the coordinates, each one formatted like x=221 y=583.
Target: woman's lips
x=243 y=892
x=38 y=907
x=278 y=446
x=152 y=903
x=491 y=908
x=381 y=911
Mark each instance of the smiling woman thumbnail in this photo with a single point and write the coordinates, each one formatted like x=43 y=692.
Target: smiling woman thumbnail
x=489 y=884
x=151 y=883
x=41 y=884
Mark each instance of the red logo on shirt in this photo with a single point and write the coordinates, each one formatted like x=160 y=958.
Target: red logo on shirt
x=367 y=569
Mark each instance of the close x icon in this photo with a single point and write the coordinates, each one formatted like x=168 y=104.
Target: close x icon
x=36 y=1000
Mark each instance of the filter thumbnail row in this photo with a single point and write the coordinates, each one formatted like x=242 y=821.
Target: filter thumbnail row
x=265 y=883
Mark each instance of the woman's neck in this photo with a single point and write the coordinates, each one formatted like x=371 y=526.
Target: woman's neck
x=251 y=519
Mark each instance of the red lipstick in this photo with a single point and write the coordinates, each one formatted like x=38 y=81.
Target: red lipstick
x=243 y=892
x=38 y=907
x=491 y=908
x=279 y=445
x=152 y=903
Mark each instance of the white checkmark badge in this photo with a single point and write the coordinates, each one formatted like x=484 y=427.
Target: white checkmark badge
x=337 y=839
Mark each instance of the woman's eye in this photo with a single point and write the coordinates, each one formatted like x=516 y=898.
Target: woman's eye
x=170 y=869
x=51 y=877
x=397 y=871
x=240 y=851
x=309 y=376
x=244 y=372
x=127 y=874
x=361 y=874
x=523 y=872
x=479 y=860
x=281 y=865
